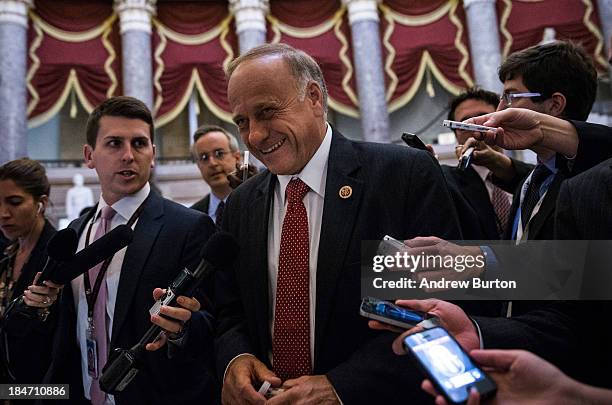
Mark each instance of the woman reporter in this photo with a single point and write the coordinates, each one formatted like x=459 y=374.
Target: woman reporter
x=25 y=341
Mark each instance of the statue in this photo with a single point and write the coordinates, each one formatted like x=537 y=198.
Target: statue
x=78 y=197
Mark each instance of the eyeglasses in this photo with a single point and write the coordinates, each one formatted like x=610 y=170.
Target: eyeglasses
x=508 y=97
x=218 y=154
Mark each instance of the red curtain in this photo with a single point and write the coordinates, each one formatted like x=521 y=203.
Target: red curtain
x=522 y=24
x=67 y=54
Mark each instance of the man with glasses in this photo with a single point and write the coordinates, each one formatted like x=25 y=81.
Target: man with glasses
x=216 y=153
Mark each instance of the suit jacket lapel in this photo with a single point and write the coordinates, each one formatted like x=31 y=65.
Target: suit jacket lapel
x=148 y=226
x=339 y=216
x=257 y=255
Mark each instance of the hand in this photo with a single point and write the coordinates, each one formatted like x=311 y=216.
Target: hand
x=235 y=178
x=517 y=128
x=242 y=373
x=41 y=296
x=428 y=387
x=452 y=318
x=175 y=317
x=315 y=389
x=431 y=150
x=470 y=265
x=521 y=377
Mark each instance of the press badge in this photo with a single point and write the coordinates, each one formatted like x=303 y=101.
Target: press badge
x=92 y=351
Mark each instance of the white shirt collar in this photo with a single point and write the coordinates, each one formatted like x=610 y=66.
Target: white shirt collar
x=482 y=171
x=311 y=174
x=128 y=204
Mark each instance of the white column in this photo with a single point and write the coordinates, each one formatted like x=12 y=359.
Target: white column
x=367 y=56
x=135 y=22
x=484 y=42
x=250 y=18
x=13 y=62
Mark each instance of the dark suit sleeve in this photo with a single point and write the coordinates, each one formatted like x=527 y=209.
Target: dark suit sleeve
x=565 y=222
x=594 y=146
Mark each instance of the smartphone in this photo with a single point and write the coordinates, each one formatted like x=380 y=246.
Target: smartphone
x=466 y=159
x=452 y=371
x=389 y=313
x=466 y=127
x=413 y=141
x=389 y=246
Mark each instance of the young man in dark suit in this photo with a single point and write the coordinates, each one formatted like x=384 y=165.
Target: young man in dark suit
x=482 y=206
x=288 y=311
x=167 y=238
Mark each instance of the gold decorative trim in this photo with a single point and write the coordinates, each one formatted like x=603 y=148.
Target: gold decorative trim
x=72 y=82
x=33 y=69
x=309 y=32
x=68 y=36
x=346 y=62
x=209 y=103
x=504 y=30
x=109 y=62
x=159 y=99
x=462 y=49
x=426 y=62
x=225 y=45
x=586 y=19
x=194 y=83
x=424 y=19
x=393 y=79
x=197 y=39
x=342 y=108
x=277 y=33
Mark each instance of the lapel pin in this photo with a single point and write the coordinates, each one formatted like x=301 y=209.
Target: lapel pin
x=345 y=192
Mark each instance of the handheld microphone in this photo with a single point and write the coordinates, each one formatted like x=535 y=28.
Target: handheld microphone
x=123 y=365
x=466 y=159
x=60 y=249
x=98 y=251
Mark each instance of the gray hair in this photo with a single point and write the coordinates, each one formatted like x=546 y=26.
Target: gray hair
x=205 y=129
x=303 y=67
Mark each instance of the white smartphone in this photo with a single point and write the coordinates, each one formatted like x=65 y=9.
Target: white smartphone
x=466 y=127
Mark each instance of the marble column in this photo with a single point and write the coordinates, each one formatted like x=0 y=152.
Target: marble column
x=250 y=17
x=367 y=57
x=485 y=51
x=135 y=23
x=13 y=62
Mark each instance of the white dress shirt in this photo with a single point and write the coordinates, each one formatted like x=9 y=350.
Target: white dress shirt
x=125 y=208
x=314 y=174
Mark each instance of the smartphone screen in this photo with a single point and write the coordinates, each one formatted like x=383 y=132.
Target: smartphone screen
x=387 y=312
x=447 y=365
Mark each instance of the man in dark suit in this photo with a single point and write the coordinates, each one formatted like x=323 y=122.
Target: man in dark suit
x=483 y=207
x=217 y=154
x=288 y=311
x=167 y=237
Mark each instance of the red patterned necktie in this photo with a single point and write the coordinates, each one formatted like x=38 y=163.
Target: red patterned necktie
x=501 y=206
x=99 y=316
x=291 y=341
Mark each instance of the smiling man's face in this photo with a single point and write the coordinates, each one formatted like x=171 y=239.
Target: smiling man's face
x=123 y=156
x=280 y=126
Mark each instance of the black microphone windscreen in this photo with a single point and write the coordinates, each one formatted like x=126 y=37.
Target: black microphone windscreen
x=62 y=245
x=221 y=248
x=98 y=251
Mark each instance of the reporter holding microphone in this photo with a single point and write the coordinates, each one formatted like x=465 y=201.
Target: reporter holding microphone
x=108 y=306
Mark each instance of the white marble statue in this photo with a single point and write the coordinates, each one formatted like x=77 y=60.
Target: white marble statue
x=78 y=197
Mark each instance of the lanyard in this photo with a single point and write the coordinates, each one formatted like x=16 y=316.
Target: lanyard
x=92 y=295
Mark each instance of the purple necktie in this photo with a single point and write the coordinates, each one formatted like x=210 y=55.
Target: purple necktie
x=98 y=397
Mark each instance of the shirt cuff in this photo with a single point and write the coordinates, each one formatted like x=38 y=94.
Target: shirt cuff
x=492 y=270
x=480 y=342
x=231 y=361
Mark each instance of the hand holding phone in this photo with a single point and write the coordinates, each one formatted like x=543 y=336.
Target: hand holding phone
x=451 y=370
x=466 y=127
x=389 y=313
